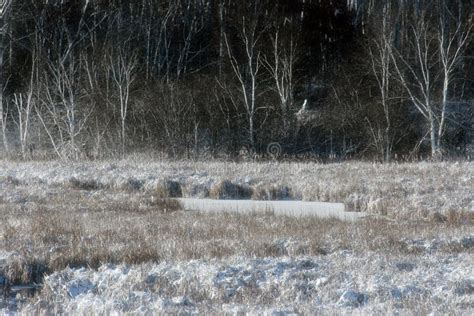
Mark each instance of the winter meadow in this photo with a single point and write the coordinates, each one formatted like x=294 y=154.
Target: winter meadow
x=275 y=157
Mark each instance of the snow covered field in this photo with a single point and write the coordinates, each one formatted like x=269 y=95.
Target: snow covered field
x=341 y=282
x=103 y=237
x=411 y=190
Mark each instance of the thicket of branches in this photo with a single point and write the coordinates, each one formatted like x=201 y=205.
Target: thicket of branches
x=337 y=79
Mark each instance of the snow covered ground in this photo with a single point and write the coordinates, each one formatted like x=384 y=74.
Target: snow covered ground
x=342 y=282
x=411 y=190
x=98 y=237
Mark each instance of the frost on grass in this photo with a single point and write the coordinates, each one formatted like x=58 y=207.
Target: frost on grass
x=411 y=190
x=341 y=282
x=102 y=237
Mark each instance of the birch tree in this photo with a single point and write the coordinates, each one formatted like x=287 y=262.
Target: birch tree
x=281 y=68
x=381 y=63
x=451 y=46
x=24 y=103
x=61 y=111
x=247 y=72
x=432 y=53
x=122 y=68
x=5 y=12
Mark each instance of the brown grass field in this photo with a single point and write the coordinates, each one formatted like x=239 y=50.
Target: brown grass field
x=48 y=228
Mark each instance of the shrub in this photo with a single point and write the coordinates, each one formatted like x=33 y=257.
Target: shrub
x=226 y=190
x=84 y=184
x=169 y=189
x=272 y=193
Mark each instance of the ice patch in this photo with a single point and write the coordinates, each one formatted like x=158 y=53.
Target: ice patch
x=353 y=298
x=80 y=287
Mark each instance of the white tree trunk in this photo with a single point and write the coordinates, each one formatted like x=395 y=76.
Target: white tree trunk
x=5 y=10
x=433 y=136
x=248 y=76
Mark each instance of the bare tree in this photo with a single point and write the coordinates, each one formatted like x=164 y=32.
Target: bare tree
x=5 y=12
x=380 y=60
x=247 y=73
x=222 y=9
x=122 y=68
x=62 y=113
x=433 y=53
x=193 y=24
x=24 y=103
x=174 y=115
x=281 y=68
x=451 y=48
x=158 y=38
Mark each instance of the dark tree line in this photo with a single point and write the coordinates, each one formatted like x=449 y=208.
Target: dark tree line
x=336 y=79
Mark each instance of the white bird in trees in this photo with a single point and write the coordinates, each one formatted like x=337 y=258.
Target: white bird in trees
x=303 y=109
x=305 y=116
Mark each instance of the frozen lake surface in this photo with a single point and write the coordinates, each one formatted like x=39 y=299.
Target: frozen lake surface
x=286 y=208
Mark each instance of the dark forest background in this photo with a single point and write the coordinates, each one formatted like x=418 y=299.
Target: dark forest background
x=340 y=79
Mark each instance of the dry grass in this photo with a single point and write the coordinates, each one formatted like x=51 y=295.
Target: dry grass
x=169 y=254
x=415 y=258
x=226 y=190
x=399 y=191
x=168 y=189
x=81 y=228
x=271 y=193
x=89 y=184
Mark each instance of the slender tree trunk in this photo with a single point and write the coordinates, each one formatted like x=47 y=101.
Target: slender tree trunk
x=251 y=132
x=388 y=145
x=3 y=30
x=221 y=37
x=433 y=136
x=3 y=121
x=443 y=107
x=123 y=136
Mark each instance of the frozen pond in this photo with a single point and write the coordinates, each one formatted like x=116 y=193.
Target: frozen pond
x=287 y=208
